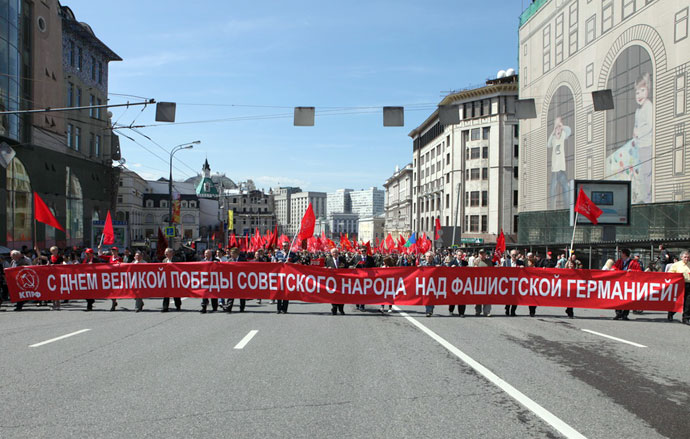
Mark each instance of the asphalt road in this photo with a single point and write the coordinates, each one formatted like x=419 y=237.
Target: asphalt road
x=311 y=374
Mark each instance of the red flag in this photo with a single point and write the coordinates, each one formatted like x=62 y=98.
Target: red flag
x=367 y=245
x=306 y=229
x=232 y=242
x=500 y=247
x=390 y=243
x=108 y=232
x=585 y=206
x=437 y=229
x=42 y=213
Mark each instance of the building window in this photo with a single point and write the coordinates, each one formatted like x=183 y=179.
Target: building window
x=680 y=94
x=70 y=131
x=628 y=8
x=485 y=223
x=100 y=72
x=80 y=58
x=515 y=223
x=474 y=198
x=546 y=58
x=447 y=178
x=515 y=172
x=681 y=27
x=589 y=74
x=485 y=133
x=573 y=28
x=474 y=174
x=474 y=223
x=71 y=53
x=474 y=153
x=590 y=127
x=474 y=134
x=467 y=223
x=97 y=146
x=485 y=152
x=447 y=201
x=591 y=29
x=515 y=198
x=78 y=96
x=70 y=94
x=92 y=101
x=448 y=159
x=606 y=15
x=516 y=150
x=485 y=198
x=559 y=39
x=77 y=139
x=19 y=204
x=93 y=68
x=98 y=110
x=679 y=152
x=485 y=173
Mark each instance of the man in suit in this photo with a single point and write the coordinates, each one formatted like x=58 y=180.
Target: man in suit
x=281 y=256
x=362 y=260
x=513 y=261
x=208 y=257
x=625 y=263
x=169 y=253
x=458 y=261
x=336 y=261
x=235 y=257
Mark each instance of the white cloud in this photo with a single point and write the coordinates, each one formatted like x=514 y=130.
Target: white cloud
x=268 y=181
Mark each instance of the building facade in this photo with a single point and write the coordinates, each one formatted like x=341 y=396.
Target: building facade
x=282 y=206
x=398 y=202
x=130 y=206
x=368 y=202
x=251 y=209
x=65 y=157
x=372 y=228
x=299 y=202
x=638 y=49
x=465 y=174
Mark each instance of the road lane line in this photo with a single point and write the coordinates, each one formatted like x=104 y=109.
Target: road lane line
x=246 y=339
x=58 y=338
x=615 y=338
x=551 y=419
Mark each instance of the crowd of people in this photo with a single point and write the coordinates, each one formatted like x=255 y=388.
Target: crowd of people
x=356 y=258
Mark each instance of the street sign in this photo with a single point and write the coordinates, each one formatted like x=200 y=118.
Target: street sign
x=170 y=232
x=472 y=240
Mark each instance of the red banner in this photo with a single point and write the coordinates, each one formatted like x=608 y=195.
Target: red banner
x=398 y=285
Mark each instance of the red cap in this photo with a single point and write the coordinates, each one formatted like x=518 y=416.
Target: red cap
x=89 y=251
x=113 y=248
x=548 y=253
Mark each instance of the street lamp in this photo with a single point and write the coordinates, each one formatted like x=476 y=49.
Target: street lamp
x=188 y=145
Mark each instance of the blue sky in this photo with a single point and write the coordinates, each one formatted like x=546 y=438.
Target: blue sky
x=254 y=61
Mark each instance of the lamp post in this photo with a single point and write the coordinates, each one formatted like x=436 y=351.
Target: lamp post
x=188 y=145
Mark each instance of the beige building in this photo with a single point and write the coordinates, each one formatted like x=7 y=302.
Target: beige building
x=638 y=49
x=465 y=174
x=398 y=202
x=372 y=228
x=299 y=202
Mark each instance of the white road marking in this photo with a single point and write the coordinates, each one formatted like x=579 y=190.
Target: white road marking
x=246 y=339
x=615 y=338
x=58 y=338
x=563 y=428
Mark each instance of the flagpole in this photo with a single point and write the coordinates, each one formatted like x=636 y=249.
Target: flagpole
x=293 y=241
x=572 y=240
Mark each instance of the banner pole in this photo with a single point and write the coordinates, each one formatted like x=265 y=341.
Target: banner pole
x=572 y=240
x=293 y=241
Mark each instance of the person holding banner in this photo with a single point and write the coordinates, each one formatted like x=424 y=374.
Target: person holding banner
x=336 y=261
x=55 y=259
x=625 y=263
x=112 y=258
x=429 y=261
x=208 y=257
x=138 y=259
x=512 y=262
x=482 y=260
x=235 y=257
x=281 y=256
x=683 y=267
x=169 y=253
x=18 y=260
